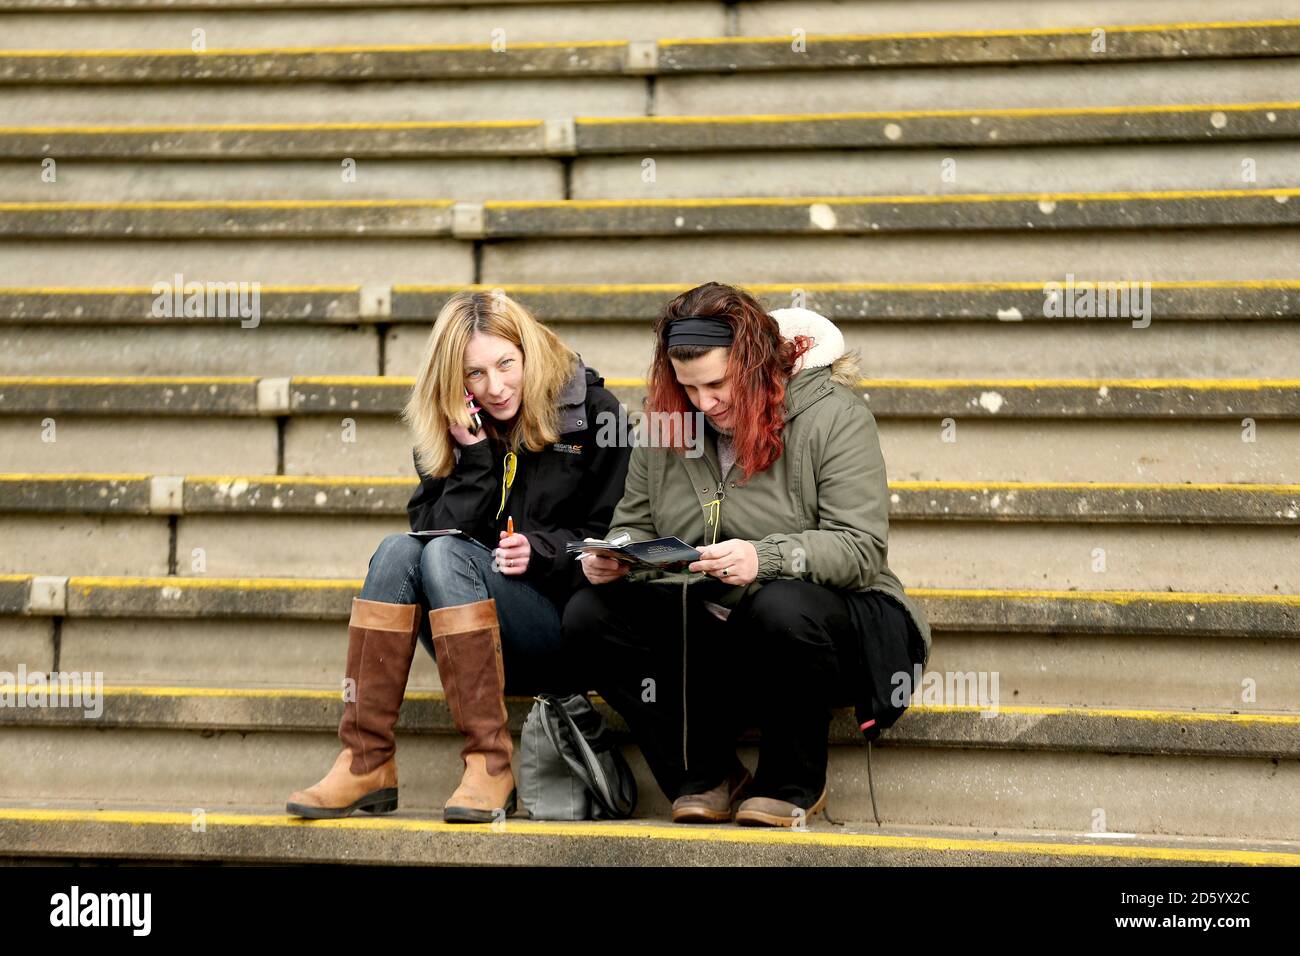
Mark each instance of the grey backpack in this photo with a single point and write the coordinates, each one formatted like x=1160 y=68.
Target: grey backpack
x=570 y=766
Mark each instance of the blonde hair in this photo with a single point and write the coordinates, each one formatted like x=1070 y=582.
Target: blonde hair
x=438 y=398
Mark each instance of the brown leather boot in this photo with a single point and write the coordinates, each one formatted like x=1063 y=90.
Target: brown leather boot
x=381 y=644
x=467 y=645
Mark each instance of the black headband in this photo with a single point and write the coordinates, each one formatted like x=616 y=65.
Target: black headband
x=699 y=330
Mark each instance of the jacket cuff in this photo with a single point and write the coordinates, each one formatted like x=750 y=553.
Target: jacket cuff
x=770 y=562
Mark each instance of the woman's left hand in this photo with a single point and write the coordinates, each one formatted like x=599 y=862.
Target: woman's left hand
x=739 y=559
x=512 y=553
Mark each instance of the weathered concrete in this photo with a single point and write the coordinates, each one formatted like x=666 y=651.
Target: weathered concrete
x=26 y=641
x=196 y=219
x=270 y=261
x=912 y=213
x=1140 y=255
x=832 y=171
x=925 y=786
x=154 y=26
x=570 y=58
x=219 y=652
x=83 y=544
x=288 y=545
x=261 y=835
x=345 y=443
x=317 y=179
x=162 y=445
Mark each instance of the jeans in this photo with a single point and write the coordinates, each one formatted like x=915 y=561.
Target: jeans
x=449 y=571
x=783 y=660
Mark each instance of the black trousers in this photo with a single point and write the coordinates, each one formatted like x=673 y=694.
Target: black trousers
x=783 y=660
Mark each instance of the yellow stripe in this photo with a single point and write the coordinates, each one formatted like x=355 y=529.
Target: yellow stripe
x=1108 y=597
x=228 y=204
x=394 y=381
x=85 y=476
x=268 y=127
x=149 y=290
x=1008 y=32
x=911 y=199
x=1011 y=112
x=128 y=380
x=721 y=120
x=15 y=577
x=87 y=583
x=678 y=834
x=1156 y=716
x=313 y=50
x=1090 y=486
x=341 y=480
x=1199 y=384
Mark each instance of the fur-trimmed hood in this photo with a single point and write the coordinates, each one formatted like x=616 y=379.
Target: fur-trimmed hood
x=828 y=344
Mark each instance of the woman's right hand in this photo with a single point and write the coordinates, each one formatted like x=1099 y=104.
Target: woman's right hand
x=464 y=436
x=601 y=570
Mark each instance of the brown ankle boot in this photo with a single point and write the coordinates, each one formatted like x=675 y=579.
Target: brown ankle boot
x=467 y=645
x=381 y=644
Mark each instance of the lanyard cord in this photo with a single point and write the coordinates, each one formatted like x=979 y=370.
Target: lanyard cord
x=507 y=478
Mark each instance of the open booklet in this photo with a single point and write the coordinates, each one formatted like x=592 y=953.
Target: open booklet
x=662 y=554
x=444 y=532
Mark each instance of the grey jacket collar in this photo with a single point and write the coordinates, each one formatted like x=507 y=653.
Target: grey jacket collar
x=572 y=401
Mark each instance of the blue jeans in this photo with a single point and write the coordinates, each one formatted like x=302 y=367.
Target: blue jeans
x=447 y=572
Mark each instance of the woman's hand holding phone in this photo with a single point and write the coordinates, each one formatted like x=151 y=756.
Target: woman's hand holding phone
x=463 y=435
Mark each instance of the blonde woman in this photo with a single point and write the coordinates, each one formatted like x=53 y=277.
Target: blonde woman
x=505 y=419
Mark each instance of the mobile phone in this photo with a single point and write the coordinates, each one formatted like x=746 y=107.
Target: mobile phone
x=477 y=425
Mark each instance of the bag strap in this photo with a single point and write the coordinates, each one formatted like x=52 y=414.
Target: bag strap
x=586 y=767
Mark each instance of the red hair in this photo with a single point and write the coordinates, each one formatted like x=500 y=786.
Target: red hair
x=759 y=364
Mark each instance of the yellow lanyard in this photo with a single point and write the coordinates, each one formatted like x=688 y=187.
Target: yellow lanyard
x=507 y=478
x=715 y=513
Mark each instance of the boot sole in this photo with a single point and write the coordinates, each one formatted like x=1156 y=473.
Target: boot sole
x=377 y=801
x=474 y=815
x=758 y=818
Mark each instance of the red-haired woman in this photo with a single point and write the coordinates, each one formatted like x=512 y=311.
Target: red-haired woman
x=794 y=610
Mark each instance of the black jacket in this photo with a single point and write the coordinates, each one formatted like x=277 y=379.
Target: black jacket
x=565 y=492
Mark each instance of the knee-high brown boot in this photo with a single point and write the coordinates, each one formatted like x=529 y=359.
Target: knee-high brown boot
x=381 y=644
x=467 y=645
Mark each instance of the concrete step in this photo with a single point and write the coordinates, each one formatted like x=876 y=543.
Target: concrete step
x=1100 y=430
x=1102 y=663
x=1042 y=768
x=69 y=830
x=981 y=132
x=994 y=330
x=364 y=219
x=136 y=24
x=1212 y=166
x=957 y=534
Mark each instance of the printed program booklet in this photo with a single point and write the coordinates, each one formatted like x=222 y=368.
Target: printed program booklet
x=442 y=533
x=662 y=554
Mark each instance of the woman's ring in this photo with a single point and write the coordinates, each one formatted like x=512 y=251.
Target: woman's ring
x=726 y=571
x=510 y=562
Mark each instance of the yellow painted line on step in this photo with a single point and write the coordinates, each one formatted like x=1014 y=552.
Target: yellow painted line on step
x=124 y=690
x=314 y=50
x=273 y=127
x=1006 y=32
x=1010 y=112
x=86 y=583
x=395 y=381
x=128 y=379
x=1088 y=486
x=909 y=199
x=1154 y=716
x=71 y=476
x=227 y=204
x=153 y=290
x=1200 y=384
x=678 y=834
x=1109 y=597
x=15 y=577
x=341 y=480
